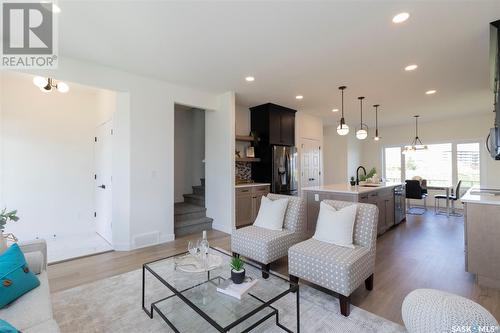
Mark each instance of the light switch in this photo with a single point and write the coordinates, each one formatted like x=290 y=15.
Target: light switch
x=316 y=197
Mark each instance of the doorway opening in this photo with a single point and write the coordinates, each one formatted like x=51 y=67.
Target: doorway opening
x=49 y=161
x=189 y=169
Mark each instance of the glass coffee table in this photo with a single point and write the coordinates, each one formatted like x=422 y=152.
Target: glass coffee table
x=190 y=302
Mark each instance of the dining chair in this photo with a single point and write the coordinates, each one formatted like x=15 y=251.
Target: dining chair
x=454 y=196
x=415 y=191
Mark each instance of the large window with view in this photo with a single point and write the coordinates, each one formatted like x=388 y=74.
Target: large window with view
x=433 y=164
x=438 y=164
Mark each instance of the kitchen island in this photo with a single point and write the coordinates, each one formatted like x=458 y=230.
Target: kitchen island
x=482 y=234
x=388 y=197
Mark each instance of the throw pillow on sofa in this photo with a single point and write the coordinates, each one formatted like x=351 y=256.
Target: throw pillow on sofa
x=16 y=279
x=336 y=226
x=5 y=327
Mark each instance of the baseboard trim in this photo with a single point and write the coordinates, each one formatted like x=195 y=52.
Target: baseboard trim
x=221 y=227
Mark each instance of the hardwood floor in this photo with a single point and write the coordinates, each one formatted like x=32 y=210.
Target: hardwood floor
x=424 y=252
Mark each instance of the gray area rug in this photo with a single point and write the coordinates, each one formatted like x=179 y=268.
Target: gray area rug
x=114 y=305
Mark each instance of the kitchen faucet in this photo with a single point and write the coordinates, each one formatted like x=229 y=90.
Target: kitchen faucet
x=357 y=173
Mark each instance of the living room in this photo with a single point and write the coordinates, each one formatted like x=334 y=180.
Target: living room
x=298 y=99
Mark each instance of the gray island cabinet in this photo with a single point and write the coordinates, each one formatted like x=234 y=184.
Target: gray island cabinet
x=391 y=208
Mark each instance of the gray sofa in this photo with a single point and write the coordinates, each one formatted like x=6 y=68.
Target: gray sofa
x=32 y=312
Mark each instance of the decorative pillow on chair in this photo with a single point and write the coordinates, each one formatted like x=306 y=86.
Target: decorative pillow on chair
x=16 y=279
x=271 y=213
x=5 y=327
x=336 y=226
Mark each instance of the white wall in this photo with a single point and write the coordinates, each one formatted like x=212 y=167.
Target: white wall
x=143 y=155
x=335 y=156
x=219 y=169
x=48 y=156
x=189 y=150
x=450 y=130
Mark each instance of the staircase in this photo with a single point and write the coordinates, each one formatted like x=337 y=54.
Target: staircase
x=190 y=216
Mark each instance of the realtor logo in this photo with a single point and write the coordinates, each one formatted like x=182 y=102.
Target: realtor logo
x=28 y=30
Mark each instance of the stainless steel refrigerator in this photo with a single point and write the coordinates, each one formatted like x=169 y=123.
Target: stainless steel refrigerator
x=284 y=170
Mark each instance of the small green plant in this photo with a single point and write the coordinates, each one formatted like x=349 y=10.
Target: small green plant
x=237 y=263
x=6 y=217
x=369 y=175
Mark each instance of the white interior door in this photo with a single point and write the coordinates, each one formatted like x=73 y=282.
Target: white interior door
x=310 y=162
x=103 y=180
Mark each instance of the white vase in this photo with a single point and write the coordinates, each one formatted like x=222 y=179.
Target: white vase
x=3 y=242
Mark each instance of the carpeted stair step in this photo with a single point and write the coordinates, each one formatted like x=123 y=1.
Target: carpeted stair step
x=187 y=227
x=199 y=190
x=185 y=211
x=194 y=199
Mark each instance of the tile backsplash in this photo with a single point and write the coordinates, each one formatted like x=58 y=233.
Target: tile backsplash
x=243 y=171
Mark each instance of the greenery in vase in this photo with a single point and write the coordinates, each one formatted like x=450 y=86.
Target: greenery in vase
x=237 y=263
x=6 y=217
x=369 y=175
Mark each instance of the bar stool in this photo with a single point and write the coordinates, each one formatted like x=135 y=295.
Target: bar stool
x=453 y=197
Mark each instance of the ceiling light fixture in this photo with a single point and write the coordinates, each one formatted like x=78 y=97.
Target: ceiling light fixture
x=376 y=138
x=249 y=79
x=362 y=133
x=299 y=97
x=400 y=18
x=335 y=110
x=430 y=92
x=48 y=84
x=342 y=129
x=411 y=68
x=416 y=143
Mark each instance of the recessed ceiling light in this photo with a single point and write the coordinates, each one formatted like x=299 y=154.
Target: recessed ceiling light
x=400 y=18
x=249 y=79
x=411 y=68
x=299 y=97
x=335 y=110
x=430 y=92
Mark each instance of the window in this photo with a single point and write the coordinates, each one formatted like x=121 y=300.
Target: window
x=393 y=164
x=433 y=164
x=468 y=164
x=441 y=164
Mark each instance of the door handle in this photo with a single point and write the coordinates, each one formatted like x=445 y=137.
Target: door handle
x=102 y=186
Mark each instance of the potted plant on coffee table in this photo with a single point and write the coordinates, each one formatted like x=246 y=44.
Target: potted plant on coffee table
x=237 y=270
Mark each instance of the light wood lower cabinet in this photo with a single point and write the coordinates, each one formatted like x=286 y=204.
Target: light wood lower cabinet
x=248 y=203
x=482 y=246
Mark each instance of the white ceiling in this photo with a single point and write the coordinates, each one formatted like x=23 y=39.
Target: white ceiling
x=299 y=47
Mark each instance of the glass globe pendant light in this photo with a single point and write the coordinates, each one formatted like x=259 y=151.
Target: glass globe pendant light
x=362 y=133
x=342 y=129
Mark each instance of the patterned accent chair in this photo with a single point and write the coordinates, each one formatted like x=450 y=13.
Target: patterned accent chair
x=336 y=268
x=264 y=245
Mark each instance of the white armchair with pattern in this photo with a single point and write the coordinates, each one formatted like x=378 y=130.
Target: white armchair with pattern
x=264 y=245
x=336 y=268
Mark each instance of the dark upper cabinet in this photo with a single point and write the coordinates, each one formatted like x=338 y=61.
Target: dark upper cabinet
x=274 y=124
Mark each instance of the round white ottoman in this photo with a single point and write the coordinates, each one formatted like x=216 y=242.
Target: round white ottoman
x=429 y=310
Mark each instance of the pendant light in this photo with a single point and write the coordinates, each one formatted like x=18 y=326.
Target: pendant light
x=416 y=143
x=362 y=133
x=376 y=138
x=342 y=129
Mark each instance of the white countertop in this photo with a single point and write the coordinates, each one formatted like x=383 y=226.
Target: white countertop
x=472 y=196
x=252 y=185
x=348 y=189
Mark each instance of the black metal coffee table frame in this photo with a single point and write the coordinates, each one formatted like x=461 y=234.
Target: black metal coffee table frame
x=294 y=288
